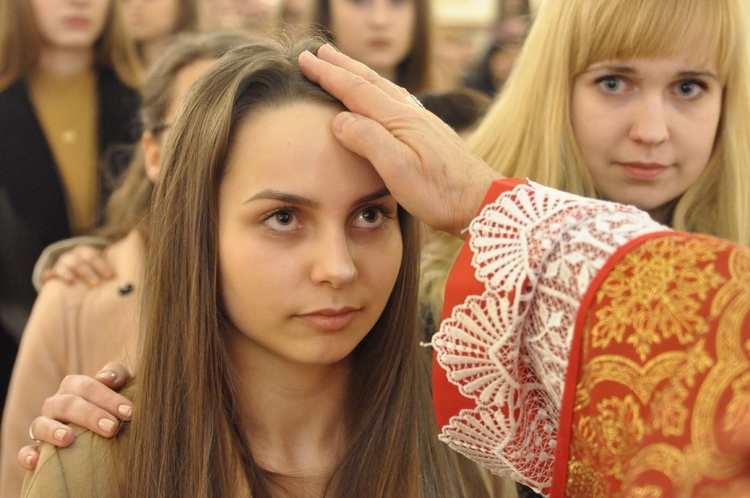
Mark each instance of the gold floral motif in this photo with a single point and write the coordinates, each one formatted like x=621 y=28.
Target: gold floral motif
x=669 y=410
x=619 y=431
x=642 y=409
x=675 y=366
x=657 y=295
x=585 y=481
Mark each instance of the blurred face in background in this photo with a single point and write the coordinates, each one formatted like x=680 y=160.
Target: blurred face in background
x=378 y=33
x=150 y=20
x=70 y=24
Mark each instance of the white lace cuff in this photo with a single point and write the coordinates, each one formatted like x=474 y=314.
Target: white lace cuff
x=536 y=250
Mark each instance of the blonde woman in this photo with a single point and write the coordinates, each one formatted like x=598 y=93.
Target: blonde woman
x=644 y=103
x=543 y=125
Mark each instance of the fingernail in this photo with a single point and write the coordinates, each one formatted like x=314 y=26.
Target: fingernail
x=125 y=410
x=342 y=121
x=106 y=425
x=59 y=434
x=28 y=461
x=107 y=375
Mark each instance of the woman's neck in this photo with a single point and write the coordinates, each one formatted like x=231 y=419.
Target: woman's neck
x=294 y=414
x=663 y=214
x=65 y=62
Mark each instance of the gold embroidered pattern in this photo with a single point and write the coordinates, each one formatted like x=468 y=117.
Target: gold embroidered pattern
x=655 y=390
x=662 y=302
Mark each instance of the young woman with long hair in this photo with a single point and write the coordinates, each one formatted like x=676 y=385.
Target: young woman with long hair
x=279 y=314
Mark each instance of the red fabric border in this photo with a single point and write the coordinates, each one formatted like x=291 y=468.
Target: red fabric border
x=447 y=399
x=562 y=450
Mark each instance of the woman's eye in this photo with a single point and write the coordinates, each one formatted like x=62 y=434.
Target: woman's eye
x=610 y=84
x=373 y=217
x=690 y=88
x=282 y=220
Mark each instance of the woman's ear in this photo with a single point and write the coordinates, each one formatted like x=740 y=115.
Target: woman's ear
x=151 y=155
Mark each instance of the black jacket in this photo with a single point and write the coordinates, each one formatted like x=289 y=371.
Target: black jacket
x=33 y=209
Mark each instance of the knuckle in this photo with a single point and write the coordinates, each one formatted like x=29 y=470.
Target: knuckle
x=69 y=384
x=63 y=405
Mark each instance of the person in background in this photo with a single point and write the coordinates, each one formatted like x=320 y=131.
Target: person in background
x=296 y=17
x=493 y=69
x=153 y=24
x=68 y=96
x=252 y=16
x=75 y=329
x=279 y=274
x=652 y=110
x=460 y=108
x=393 y=37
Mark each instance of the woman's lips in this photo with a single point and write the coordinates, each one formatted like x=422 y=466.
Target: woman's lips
x=644 y=171
x=77 y=22
x=329 y=320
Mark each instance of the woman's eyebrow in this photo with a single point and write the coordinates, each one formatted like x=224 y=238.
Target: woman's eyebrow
x=277 y=195
x=610 y=68
x=378 y=194
x=698 y=74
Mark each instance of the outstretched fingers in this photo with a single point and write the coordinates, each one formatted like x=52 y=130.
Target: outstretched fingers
x=357 y=86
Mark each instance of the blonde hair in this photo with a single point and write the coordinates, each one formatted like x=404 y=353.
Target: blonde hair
x=184 y=385
x=527 y=133
x=21 y=41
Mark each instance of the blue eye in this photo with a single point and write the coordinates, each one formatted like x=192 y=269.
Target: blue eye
x=610 y=83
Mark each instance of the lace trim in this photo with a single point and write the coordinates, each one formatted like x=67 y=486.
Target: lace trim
x=536 y=250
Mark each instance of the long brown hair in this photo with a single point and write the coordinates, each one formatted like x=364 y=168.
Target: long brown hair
x=186 y=438
x=20 y=43
x=413 y=73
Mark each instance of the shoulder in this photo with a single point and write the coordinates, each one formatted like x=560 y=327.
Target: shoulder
x=15 y=100
x=57 y=293
x=87 y=468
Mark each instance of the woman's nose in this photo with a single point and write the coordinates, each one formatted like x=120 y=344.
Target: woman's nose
x=650 y=121
x=333 y=261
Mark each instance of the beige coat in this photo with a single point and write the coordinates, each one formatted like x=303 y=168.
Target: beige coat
x=72 y=330
x=86 y=469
